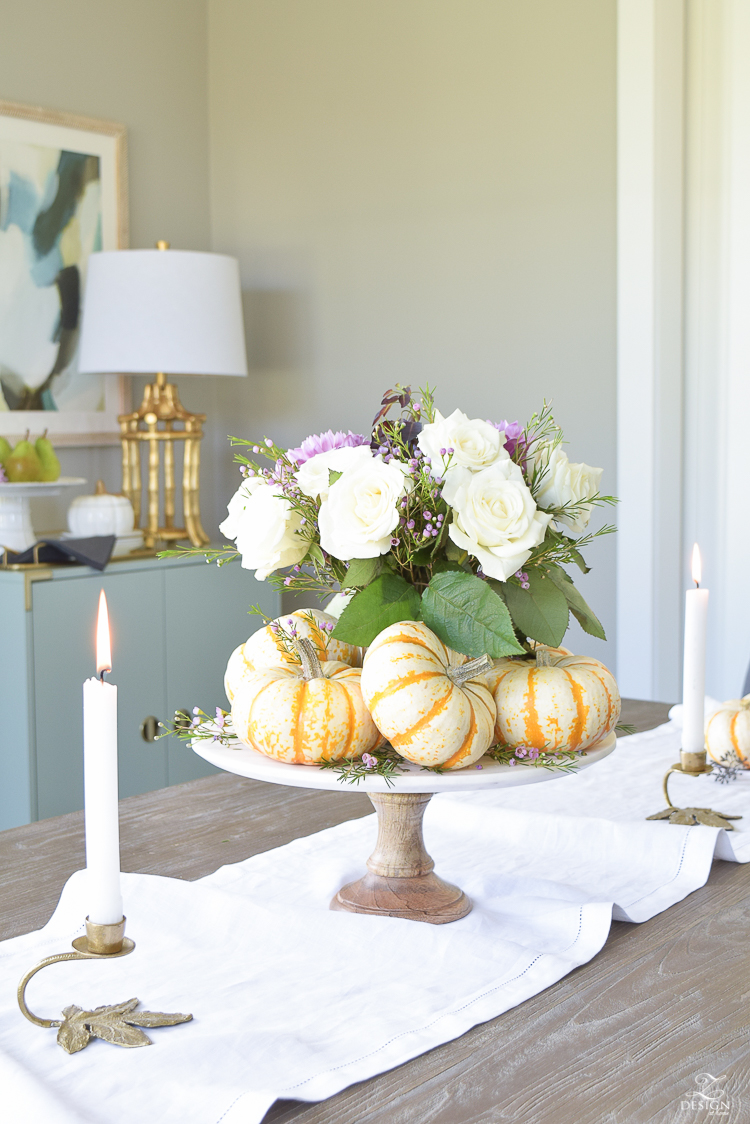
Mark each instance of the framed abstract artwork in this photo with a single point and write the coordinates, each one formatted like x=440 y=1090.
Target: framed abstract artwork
x=63 y=195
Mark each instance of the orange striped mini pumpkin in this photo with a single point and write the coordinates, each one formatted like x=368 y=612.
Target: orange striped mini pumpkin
x=560 y=701
x=306 y=713
x=728 y=733
x=271 y=646
x=428 y=707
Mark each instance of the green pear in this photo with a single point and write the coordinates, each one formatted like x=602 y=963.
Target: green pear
x=23 y=463
x=47 y=458
x=5 y=450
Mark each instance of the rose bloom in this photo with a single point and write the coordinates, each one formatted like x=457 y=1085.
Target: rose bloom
x=566 y=483
x=360 y=513
x=496 y=520
x=313 y=475
x=476 y=445
x=263 y=524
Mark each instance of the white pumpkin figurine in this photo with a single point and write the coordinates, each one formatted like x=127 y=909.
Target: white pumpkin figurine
x=557 y=701
x=272 y=646
x=432 y=705
x=100 y=514
x=728 y=733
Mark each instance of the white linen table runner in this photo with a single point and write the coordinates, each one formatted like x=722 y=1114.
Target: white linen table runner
x=292 y=1000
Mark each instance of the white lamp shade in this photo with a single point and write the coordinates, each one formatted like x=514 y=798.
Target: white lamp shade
x=162 y=310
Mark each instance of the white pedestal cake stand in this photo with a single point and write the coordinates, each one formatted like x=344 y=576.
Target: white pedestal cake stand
x=16 y=532
x=400 y=881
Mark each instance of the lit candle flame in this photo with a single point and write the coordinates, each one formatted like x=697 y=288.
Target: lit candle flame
x=696 y=565
x=103 y=644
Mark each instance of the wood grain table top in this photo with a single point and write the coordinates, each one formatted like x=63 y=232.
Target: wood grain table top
x=618 y=1041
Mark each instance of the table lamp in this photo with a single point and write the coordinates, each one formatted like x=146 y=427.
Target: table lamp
x=153 y=312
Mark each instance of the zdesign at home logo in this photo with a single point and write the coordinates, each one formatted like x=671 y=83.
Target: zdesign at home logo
x=707 y=1095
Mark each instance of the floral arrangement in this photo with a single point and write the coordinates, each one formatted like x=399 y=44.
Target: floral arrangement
x=461 y=523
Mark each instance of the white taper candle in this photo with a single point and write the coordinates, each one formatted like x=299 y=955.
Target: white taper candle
x=694 y=663
x=100 y=786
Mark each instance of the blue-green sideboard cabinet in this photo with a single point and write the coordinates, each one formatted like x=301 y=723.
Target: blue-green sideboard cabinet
x=174 y=623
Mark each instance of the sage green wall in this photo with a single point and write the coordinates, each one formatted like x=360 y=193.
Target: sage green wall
x=421 y=190
x=141 y=62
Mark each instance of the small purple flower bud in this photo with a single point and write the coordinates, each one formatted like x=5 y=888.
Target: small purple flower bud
x=303 y=521
x=410 y=524
x=480 y=766
x=395 y=542
x=443 y=452
x=511 y=762
x=450 y=454
x=429 y=528
x=426 y=535
x=287 y=581
x=435 y=533
x=428 y=515
x=438 y=479
x=256 y=448
x=417 y=407
x=269 y=442
x=440 y=517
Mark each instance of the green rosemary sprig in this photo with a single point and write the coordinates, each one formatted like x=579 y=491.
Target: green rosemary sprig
x=388 y=764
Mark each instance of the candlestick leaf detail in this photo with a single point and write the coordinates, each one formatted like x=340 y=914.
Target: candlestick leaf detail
x=119 y=1024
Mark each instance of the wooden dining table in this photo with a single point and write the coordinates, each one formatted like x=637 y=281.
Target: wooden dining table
x=619 y=1040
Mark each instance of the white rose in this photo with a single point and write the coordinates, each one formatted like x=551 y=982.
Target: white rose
x=263 y=524
x=566 y=483
x=360 y=513
x=312 y=476
x=475 y=445
x=496 y=520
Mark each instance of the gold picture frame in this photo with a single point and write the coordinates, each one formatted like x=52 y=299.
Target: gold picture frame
x=69 y=174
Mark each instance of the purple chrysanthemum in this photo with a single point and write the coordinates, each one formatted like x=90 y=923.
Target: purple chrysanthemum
x=323 y=443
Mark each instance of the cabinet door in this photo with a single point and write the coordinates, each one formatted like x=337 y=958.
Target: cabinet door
x=64 y=614
x=207 y=617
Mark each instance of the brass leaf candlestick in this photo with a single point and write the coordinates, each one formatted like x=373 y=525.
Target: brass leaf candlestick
x=691 y=765
x=118 y=1023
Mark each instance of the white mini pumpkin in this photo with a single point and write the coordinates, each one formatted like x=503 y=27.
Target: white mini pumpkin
x=414 y=688
x=271 y=646
x=304 y=714
x=728 y=733
x=560 y=701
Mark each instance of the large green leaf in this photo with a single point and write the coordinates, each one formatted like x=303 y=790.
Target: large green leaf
x=362 y=571
x=586 y=618
x=384 y=601
x=468 y=616
x=541 y=611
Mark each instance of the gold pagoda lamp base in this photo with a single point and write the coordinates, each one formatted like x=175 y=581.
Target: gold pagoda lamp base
x=691 y=765
x=159 y=422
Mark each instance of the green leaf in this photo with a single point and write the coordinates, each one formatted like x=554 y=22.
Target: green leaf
x=385 y=601
x=333 y=476
x=446 y=565
x=362 y=571
x=315 y=555
x=579 y=560
x=541 y=611
x=468 y=616
x=586 y=618
x=455 y=553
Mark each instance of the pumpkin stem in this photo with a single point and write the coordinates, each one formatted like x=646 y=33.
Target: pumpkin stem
x=469 y=670
x=311 y=668
x=543 y=658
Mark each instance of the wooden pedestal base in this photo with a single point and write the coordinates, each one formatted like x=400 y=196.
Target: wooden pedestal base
x=401 y=882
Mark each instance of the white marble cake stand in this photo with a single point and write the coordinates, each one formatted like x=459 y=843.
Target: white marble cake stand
x=16 y=532
x=400 y=881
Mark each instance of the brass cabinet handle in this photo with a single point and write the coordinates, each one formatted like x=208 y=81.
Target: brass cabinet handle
x=150 y=728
